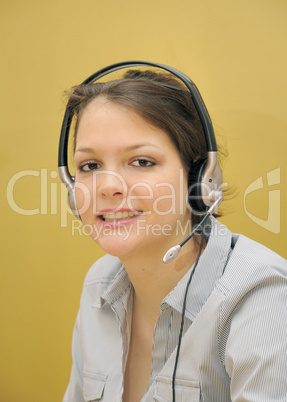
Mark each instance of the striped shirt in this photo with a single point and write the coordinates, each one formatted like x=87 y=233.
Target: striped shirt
x=234 y=345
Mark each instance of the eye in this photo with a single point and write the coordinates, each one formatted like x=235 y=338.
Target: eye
x=89 y=166
x=141 y=162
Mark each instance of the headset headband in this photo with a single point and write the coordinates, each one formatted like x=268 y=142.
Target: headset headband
x=210 y=173
x=195 y=95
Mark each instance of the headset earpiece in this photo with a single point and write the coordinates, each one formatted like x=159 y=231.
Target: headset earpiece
x=69 y=182
x=204 y=184
x=72 y=200
x=194 y=187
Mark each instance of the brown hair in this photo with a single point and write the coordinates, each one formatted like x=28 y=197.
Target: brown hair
x=158 y=98
x=161 y=100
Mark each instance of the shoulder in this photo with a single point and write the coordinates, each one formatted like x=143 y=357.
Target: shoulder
x=253 y=320
x=251 y=255
x=251 y=264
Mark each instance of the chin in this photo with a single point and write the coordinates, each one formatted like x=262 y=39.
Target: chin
x=129 y=248
x=116 y=247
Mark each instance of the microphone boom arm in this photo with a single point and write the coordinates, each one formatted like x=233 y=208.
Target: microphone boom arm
x=173 y=252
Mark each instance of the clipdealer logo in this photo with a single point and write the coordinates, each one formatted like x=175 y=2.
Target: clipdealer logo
x=272 y=223
x=53 y=197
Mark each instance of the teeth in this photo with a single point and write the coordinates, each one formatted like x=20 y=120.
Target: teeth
x=110 y=216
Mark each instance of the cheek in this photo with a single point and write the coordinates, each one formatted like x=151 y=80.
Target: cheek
x=140 y=193
x=163 y=202
x=170 y=198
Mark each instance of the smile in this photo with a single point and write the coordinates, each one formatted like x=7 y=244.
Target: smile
x=112 y=216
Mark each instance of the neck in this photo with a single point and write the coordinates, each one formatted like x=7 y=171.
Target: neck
x=153 y=280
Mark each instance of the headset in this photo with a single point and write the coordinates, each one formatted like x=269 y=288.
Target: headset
x=205 y=180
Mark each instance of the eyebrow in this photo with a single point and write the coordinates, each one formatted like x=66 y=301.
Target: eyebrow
x=127 y=149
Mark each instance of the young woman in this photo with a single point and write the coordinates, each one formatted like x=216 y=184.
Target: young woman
x=208 y=326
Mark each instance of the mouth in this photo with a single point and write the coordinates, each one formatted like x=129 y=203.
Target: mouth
x=119 y=215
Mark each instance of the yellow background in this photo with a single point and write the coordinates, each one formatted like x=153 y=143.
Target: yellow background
x=235 y=51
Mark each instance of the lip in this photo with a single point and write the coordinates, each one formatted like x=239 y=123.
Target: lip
x=104 y=211
x=118 y=222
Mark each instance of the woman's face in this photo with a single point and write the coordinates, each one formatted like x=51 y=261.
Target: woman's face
x=130 y=182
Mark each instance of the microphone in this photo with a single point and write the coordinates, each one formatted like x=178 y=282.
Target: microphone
x=173 y=252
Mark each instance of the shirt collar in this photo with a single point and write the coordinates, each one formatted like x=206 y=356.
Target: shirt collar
x=208 y=271
x=116 y=289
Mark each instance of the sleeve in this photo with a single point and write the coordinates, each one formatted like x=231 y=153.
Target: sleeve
x=74 y=391
x=256 y=349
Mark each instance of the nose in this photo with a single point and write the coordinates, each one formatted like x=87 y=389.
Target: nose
x=110 y=185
